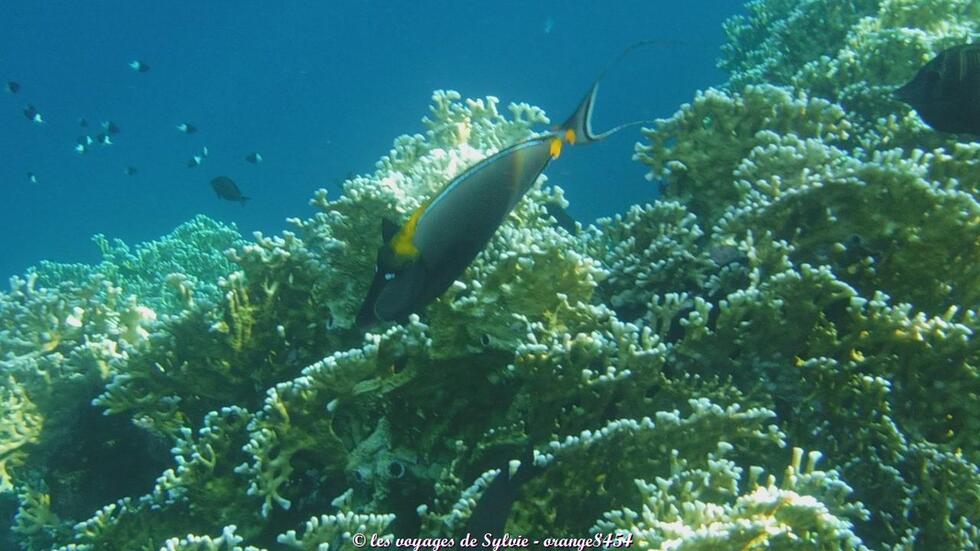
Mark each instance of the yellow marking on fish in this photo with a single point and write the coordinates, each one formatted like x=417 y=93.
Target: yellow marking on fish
x=570 y=136
x=401 y=243
x=555 y=147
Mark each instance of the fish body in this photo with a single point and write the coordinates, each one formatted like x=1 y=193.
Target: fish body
x=31 y=113
x=254 y=158
x=562 y=218
x=187 y=128
x=196 y=160
x=227 y=189
x=946 y=90
x=12 y=87
x=31 y=177
x=139 y=66
x=110 y=127
x=130 y=171
x=451 y=230
x=419 y=261
x=497 y=500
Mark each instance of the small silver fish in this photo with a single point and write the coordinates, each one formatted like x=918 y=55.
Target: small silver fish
x=110 y=127
x=187 y=128
x=196 y=160
x=254 y=158
x=139 y=66
x=32 y=177
x=13 y=87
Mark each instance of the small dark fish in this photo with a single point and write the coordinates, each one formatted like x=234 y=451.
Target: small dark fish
x=946 y=91
x=32 y=177
x=187 y=128
x=494 y=506
x=31 y=113
x=130 y=171
x=254 y=158
x=82 y=122
x=110 y=127
x=226 y=188
x=139 y=66
x=13 y=87
x=103 y=139
x=562 y=217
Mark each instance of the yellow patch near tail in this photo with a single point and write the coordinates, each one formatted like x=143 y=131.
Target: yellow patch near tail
x=555 y=148
x=570 y=136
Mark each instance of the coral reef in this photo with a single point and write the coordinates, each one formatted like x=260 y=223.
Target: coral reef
x=805 y=281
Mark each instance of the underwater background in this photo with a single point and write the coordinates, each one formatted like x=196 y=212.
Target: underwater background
x=761 y=334
x=318 y=89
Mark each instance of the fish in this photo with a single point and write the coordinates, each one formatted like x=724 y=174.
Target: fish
x=103 y=139
x=254 y=158
x=196 y=160
x=12 y=87
x=31 y=113
x=562 y=218
x=82 y=122
x=946 y=90
x=495 y=503
x=32 y=177
x=110 y=127
x=130 y=171
x=419 y=260
x=226 y=188
x=187 y=128
x=82 y=144
x=139 y=66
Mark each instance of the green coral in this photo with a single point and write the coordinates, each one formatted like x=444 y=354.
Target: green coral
x=806 y=278
x=706 y=508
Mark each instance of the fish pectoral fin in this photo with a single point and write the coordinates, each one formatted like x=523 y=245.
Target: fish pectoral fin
x=400 y=297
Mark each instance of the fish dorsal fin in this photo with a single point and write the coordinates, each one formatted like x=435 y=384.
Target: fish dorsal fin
x=578 y=127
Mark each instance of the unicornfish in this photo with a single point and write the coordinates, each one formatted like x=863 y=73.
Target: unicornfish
x=418 y=261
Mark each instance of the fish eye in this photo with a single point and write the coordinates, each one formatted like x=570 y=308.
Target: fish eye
x=486 y=339
x=396 y=469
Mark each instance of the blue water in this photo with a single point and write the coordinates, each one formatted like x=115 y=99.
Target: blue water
x=320 y=89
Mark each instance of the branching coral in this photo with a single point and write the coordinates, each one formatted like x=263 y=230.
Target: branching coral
x=807 y=277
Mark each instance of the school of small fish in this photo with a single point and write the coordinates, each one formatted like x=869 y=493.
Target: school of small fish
x=224 y=186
